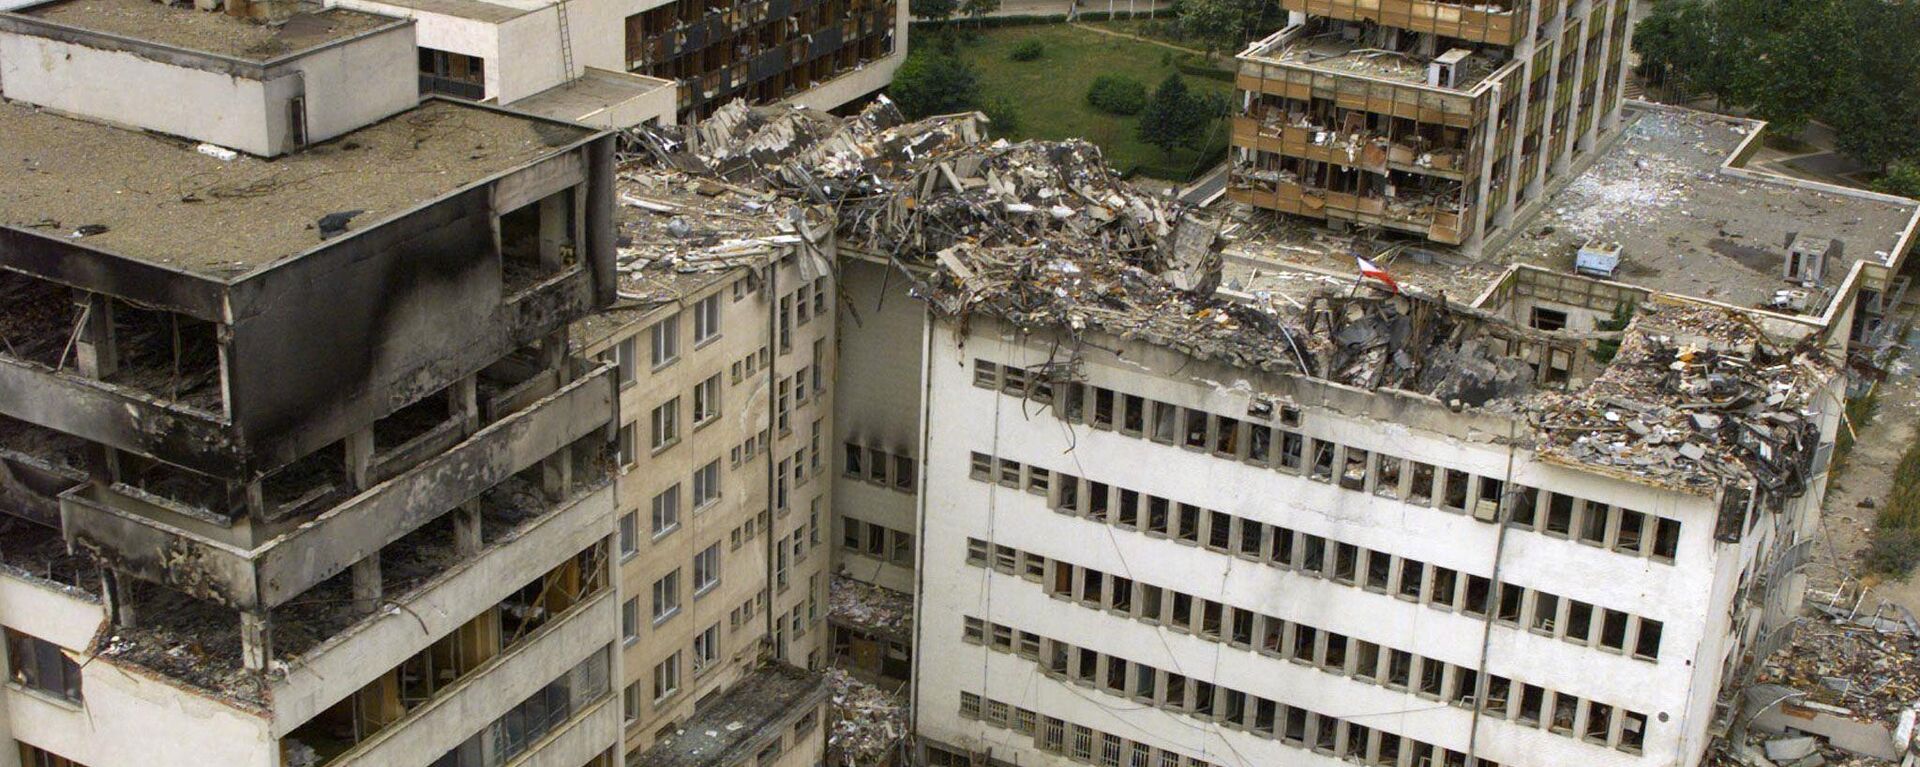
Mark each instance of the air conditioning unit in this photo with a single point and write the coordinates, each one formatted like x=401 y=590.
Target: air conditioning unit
x=1598 y=259
x=1793 y=299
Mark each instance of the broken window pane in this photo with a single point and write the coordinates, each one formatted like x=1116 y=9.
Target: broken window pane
x=1646 y=646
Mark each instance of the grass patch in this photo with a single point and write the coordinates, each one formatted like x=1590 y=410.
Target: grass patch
x=1896 y=535
x=1860 y=412
x=1051 y=93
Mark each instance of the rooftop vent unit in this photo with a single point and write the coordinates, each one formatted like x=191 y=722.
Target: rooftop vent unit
x=1444 y=72
x=1597 y=259
x=1807 y=258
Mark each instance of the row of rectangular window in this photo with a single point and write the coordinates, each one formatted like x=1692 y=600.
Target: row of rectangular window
x=1325 y=650
x=1081 y=744
x=876 y=541
x=895 y=470
x=1439 y=587
x=1555 y=514
x=1234 y=709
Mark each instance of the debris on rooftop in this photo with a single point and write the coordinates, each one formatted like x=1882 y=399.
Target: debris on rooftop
x=1043 y=236
x=1697 y=395
x=867 y=723
x=870 y=608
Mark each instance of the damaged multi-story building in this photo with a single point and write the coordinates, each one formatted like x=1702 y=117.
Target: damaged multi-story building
x=618 y=63
x=722 y=338
x=1158 y=516
x=300 y=466
x=1435 y=118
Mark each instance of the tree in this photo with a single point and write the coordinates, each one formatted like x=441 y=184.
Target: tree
x=1220 y=24
x=1902 y=178
x=1673 y=40
x=933 y=82
x=1875 y=105
x=978 y=9
x=933 y=10
x=1173 y=117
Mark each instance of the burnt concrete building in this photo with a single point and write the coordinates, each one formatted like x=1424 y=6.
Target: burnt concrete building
x=297 y=464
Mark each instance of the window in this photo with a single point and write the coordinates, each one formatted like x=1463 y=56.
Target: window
x=665 y=335
x=666 y=511
x=666 y=596
x=629 y=364
x=1549 y=319
x=623 y=444
x=706 y=400
x=630 y=702
x=41 y=665
x=903 y=473
x=666 y=424
x=706 y=319
x=630 y=620
x=629 y=534
x=706 y=648
x=853 y=463
x=706 y=572
x=666 y=677
x=706 y=484
x=786 y=324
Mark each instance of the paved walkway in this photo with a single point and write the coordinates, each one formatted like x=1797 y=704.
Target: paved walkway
x=1138 y=39
x=1061 y=8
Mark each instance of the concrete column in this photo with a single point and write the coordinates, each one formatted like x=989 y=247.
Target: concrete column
x=466 y=529
x=359 y=458
x=367 y=589
x=463 y=402
x=256 y=641
x=554 y=232
x=118 y=589
x=556 y=475
x=93 y=350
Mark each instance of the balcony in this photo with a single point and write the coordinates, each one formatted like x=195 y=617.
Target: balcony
x=1353 y=150
x=337 y=665
x=251 y=567
x=444 y=723
x=1279 y=191
x=1480 y=22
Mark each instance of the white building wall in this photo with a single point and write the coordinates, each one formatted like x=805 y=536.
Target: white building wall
x=207 y=106
x=964 y=419
x=126 y=717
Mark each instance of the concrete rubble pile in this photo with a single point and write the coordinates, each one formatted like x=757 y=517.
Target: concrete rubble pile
x=1044 y=236
x=1844 y=691
x=1699 y=397
x=868 y=724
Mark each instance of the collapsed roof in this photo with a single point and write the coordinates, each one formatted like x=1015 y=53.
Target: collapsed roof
x=1043 y=235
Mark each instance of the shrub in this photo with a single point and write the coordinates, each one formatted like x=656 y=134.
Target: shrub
x=1894 y=552
x=1003 y=116
x=1117 y=94
x=1028 y=50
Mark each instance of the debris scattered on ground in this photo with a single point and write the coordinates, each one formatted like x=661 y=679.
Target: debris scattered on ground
x=867 y=722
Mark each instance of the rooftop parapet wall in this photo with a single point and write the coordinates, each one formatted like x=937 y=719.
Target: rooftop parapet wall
x=258 y=89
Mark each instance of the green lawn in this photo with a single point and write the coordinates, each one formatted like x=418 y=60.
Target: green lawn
x=1050 y=94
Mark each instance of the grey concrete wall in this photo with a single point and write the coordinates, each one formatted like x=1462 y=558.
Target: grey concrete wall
x=877 y=405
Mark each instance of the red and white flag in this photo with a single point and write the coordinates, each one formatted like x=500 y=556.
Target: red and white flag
x=1373 y=270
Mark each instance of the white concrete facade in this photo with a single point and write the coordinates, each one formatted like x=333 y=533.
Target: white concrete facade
x=243 y=105
x=1005 y=573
